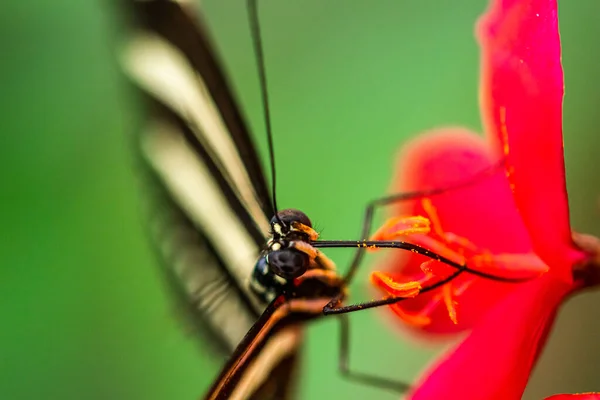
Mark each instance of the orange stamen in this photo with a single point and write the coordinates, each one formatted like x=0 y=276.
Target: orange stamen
x=402 y=226
x=449 y=302
x=433 y=216
x=503 y=131
x=417 y=319
x=463 y=287
x=428 y=268
x=510 y=265
x=389 y=285
x=462 y=242
x=439 y=248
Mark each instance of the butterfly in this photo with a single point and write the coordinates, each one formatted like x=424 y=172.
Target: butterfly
x=252 y=273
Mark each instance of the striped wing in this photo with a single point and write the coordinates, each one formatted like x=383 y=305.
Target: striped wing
x=209 y=201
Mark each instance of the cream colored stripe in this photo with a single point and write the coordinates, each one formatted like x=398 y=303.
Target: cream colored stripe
x=199 y=195
x=164 y=71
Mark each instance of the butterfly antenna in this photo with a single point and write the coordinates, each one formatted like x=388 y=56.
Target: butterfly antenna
x=260 y=64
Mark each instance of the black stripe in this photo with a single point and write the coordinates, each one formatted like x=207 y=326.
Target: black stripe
x=170 y=21
x=164 y=206
x=236 y=205
x=167 y=19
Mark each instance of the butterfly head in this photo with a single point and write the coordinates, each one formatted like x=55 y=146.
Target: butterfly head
x=288 y=227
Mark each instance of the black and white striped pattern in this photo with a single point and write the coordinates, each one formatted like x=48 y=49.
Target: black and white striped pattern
x=208 y=194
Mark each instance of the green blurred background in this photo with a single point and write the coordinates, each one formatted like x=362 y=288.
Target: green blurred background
x=83 y=310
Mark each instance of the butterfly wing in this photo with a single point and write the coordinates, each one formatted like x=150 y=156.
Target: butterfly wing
x=209 y=201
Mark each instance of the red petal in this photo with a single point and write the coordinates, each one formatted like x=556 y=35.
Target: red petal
x=483 y=212
x=521 y=100
x=579 y=396
x=495 y=360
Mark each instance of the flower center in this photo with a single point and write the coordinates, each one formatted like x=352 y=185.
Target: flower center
x=427 y=231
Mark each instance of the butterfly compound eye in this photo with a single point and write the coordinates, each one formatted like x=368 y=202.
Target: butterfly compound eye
x=290 y=215
x=288 y=263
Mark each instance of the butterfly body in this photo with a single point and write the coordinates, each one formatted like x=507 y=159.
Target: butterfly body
x=298 y=281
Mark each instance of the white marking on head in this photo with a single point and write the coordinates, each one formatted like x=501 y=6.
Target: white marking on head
x=277 y=228
x=275 y=246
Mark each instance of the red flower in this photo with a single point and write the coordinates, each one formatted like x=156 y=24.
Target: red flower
x=512 y=223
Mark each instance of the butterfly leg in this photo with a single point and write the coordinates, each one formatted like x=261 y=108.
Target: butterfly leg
x=360 y=377
x=335 y=305
x=368 y=223
x=400 y=197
